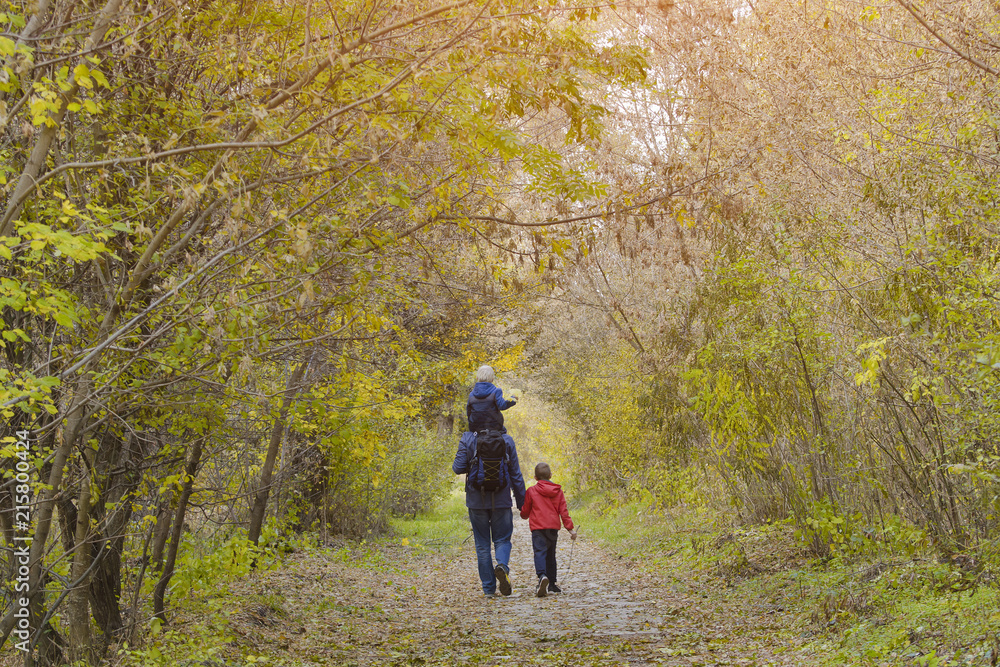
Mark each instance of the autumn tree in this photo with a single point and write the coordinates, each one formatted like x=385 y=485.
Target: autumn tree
x=809 y=316
x=235 y=231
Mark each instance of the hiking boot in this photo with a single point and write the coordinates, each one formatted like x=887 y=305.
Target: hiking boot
x=503 y=581
x=553 y=588
x=543 y=586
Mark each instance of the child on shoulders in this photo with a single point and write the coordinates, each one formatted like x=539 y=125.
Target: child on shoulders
x=485 y=403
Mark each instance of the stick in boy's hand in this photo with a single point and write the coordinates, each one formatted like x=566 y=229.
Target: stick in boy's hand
x=572 y=534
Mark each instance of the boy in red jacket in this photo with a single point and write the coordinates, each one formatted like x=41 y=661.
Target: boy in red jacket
x=544 y=506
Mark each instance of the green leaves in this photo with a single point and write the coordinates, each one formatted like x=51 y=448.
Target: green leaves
x=222 y=193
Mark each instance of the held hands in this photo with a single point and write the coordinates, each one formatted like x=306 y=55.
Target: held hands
x=572 y=534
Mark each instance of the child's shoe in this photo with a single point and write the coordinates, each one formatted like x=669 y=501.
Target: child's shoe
x=553 y=588
x=543 y=586
x=503 y=580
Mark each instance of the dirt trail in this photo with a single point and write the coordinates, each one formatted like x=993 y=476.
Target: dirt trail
x=406 y=606
x=601 y=597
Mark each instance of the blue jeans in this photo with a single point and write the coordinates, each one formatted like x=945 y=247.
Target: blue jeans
x=494 y=526
x=544 y=543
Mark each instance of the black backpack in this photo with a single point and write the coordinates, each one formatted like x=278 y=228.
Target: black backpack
x=488 y=469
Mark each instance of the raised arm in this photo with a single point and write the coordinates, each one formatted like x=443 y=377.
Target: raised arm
x=501 y=402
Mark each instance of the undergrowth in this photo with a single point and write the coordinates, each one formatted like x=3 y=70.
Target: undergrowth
x=228 y=616
x=442 y=527
x=886 y=605
x=880 y=607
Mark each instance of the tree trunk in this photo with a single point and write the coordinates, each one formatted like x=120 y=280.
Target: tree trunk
x=162 y=531
x=117 y=464
x=446 y=420
x=267 y=472
x=159 y=593
x=106 y=588
x=132 y=612
x=78 y=600
x=75 y=422
x=48 y=642
x=106 y=583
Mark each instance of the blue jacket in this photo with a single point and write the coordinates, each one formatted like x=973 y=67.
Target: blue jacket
x=484 y=406
x=484 y=500
x=483 y=389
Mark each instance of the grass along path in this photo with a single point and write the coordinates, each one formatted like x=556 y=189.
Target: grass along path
x=678 y=592
x=416 y=600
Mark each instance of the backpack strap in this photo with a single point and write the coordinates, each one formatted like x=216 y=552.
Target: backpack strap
x=473 y=463
x=474 y=466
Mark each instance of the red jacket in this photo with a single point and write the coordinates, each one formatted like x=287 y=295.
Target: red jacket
x=544 y=504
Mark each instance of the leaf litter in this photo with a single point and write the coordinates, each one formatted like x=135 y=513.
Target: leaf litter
x=386 y=603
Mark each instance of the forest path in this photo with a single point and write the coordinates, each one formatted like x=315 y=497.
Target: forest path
x=400 y=605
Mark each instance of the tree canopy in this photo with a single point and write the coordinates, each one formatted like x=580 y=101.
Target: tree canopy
x=252 y=252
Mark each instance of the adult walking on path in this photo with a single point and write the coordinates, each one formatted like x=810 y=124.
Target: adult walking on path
x=488 y=459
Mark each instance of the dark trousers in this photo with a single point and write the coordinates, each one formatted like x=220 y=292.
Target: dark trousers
x=544 y=542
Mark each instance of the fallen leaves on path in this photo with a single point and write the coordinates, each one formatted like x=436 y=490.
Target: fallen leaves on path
x=404 y=605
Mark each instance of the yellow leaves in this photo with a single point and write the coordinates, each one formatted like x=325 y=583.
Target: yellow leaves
x=171 y=142
x=41 y=108
x=6 y=46
x=50 y=94
x=509 y=359
x=870 y=14
x=64 y=243
x=81 y=74
x=307 y=296
x=560 y=246
x=872 y=363
x=69 y=211
x=374 y=323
